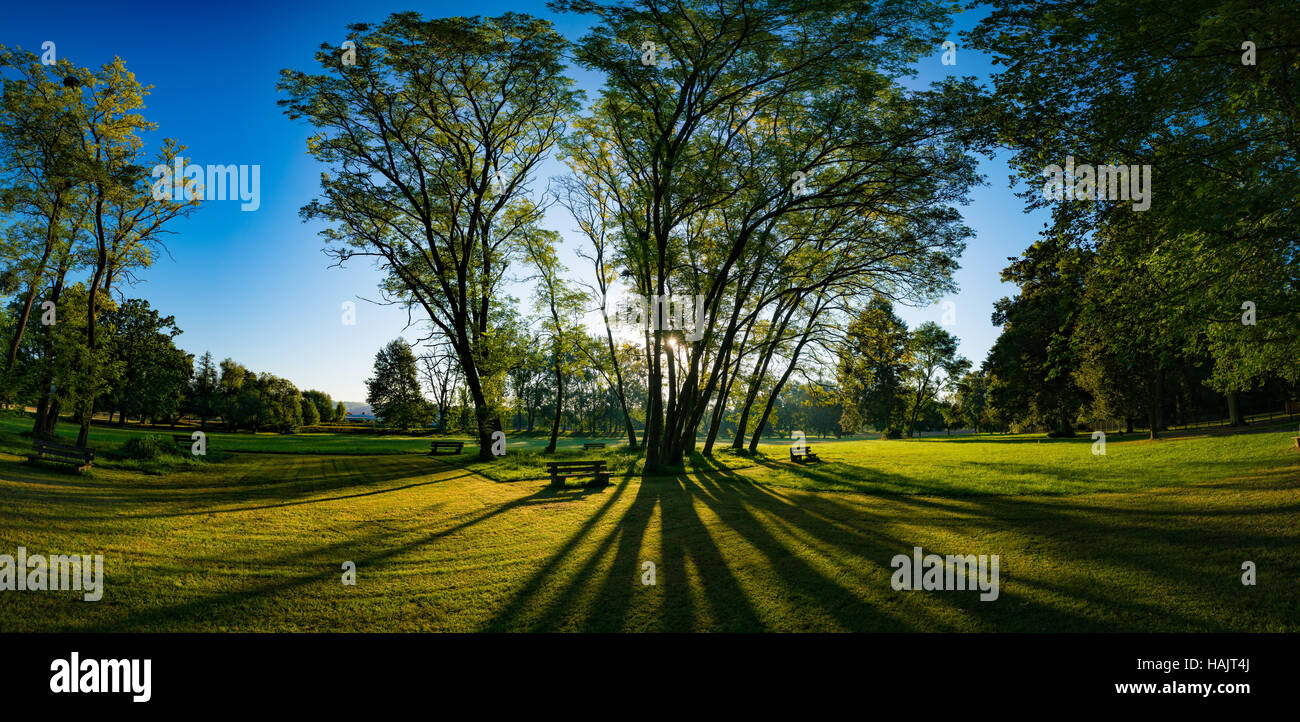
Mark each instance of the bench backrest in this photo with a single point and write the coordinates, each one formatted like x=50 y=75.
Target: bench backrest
x=595 y=465
x=70 y=452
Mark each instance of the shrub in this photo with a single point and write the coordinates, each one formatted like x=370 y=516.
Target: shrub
x=148 y=448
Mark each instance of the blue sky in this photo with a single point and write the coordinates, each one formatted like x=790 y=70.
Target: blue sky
x=255 y=286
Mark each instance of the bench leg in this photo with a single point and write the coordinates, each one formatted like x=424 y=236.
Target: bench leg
x=557 y=481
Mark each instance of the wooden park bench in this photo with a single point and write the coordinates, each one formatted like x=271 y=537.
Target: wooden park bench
x=1296 y=441
x=75 y=456
x=436 y=448
x=806 y=457
x=593 y=445
x=561 y=470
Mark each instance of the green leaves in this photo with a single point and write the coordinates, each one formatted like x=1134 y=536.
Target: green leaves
x=394 y=391
x=431 y=140
x=1143 y=82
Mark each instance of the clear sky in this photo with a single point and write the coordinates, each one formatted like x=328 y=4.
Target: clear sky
x=255 y=286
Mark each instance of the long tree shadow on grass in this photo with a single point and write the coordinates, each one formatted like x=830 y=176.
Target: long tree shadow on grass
x=1039 y=479
x=180 y=616
x=741 y=556
x=1156 y=541
x=698 y=583
x=237 y=486
x=689 y=545
x=839 y=475
x=854 y=534
x=1068 y=566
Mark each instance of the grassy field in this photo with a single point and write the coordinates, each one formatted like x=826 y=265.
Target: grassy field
x=1150 y=537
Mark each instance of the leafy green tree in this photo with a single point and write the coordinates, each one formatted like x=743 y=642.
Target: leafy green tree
x=310 y=414
x=872 y=362
x=701 y=153
x=247 y=407
x=970 y=401
x=1204 y=95
x=1031 y=365
x=52 y=361
x=205 y=393
x=432 y=138
x=1125 y=357
x=323 y=403
x=42 y=168
x=151 y=374
x=933 y=366
x=394 y=390
x=280 y=407
x=81 y=169
x=340 y=412
x=127 y=216
x=233 y=405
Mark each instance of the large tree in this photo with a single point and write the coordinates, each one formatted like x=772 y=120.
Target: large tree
x=394 y=391
x=872 y=360
x=204 y=391
x=150 y=375
x=431 y=139
x=43 y=169
x=1031 y=365
x=758 y=155
x=933 y=366
x=1203 y=93
x=127 y=215
x=323 y=403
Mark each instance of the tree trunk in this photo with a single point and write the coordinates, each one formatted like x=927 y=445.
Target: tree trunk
x=654 y=405
x=25 y=312
x=42 y=412
x=1234 y=410
x=760 y=370
x=667 y=454
x=719 y=410
x=1153 y=414
x=559 y=407
x=52 y=417
x=916 y=408
x=101 y=263
x=618 y=381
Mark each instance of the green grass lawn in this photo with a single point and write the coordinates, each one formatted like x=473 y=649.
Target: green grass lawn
x=1027 y=464
x=1150 y=537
